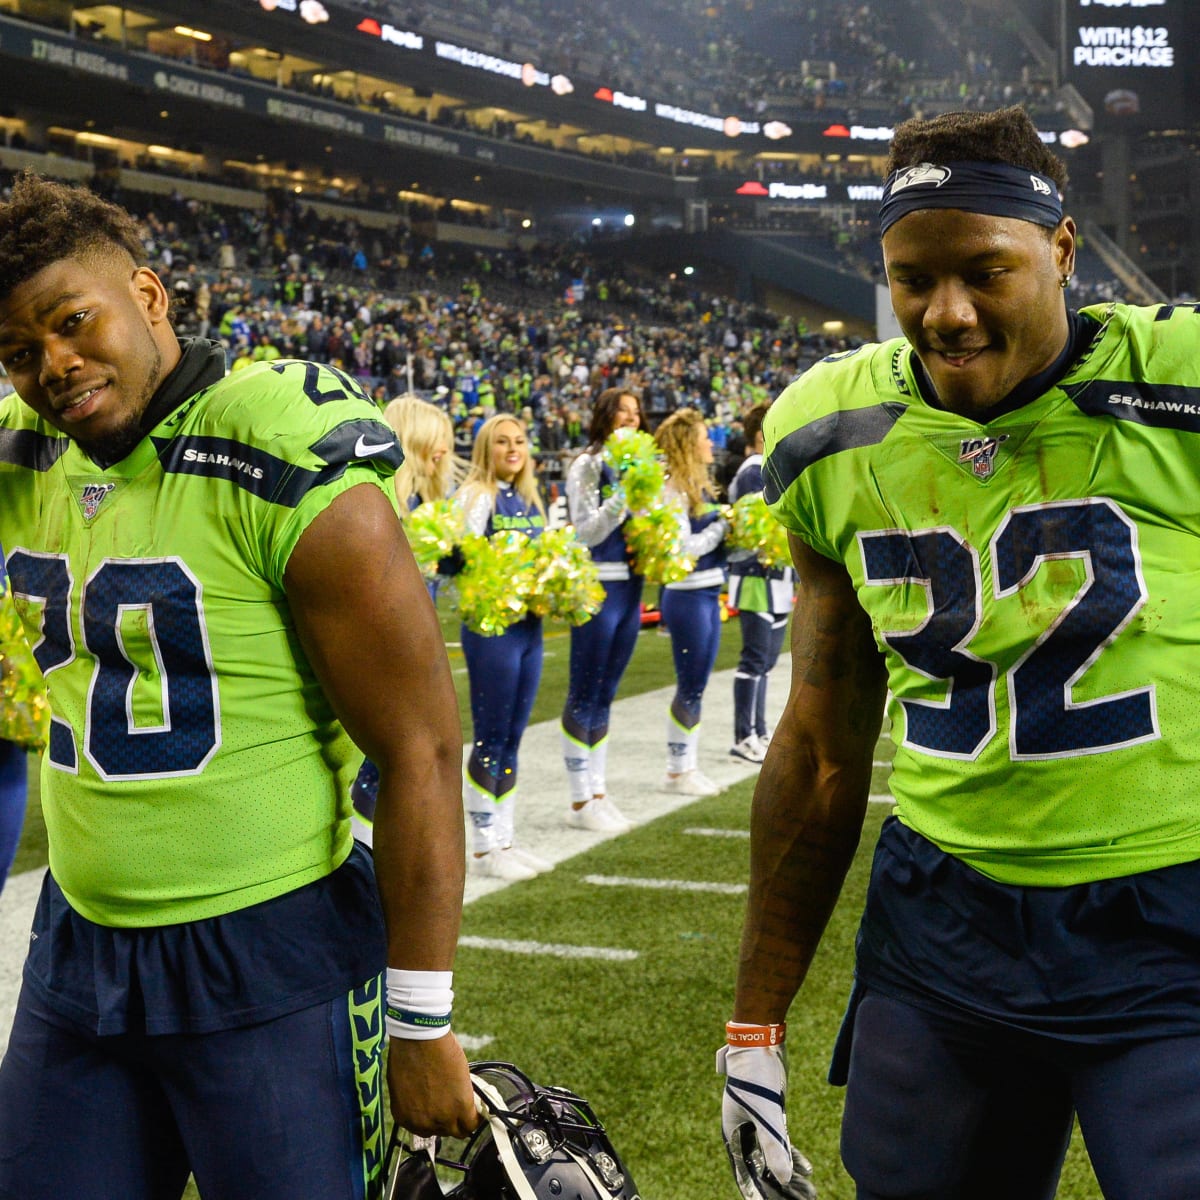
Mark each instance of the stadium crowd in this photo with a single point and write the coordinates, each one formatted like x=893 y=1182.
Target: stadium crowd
x=849 y=54
x=542 y=331
x=857 y=62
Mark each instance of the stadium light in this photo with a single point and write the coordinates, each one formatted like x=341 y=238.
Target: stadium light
x=629 y=220
x=596 y=222
x=689 y=270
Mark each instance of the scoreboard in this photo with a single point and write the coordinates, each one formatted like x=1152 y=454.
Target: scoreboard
x=1129 y=59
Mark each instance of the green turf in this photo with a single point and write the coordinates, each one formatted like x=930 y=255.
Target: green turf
x=638 y=1038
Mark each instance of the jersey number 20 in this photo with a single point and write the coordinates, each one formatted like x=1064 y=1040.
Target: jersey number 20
x=166 y=595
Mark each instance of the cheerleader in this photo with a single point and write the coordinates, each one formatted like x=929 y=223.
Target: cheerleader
x=430 y=471
x=500 y=493
x=763 y=597
x=600 y=648
x=691 y=608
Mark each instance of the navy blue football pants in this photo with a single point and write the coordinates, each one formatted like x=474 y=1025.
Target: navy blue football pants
x=693 y=619
x=762 y=640
x=504 y=672
x=950 y=1108
x=284 y=1109
x=600 y=651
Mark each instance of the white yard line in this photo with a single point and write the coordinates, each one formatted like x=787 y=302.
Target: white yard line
x=472 y=1042
x=666 y=885
x=547 y=949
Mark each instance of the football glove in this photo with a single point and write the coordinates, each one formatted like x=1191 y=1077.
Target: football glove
x=451 y=564
x=754 y=1124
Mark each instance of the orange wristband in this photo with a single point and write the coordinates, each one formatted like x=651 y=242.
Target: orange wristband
x=737 y=1034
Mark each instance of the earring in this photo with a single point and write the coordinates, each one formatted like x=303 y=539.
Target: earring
x=1065 y=282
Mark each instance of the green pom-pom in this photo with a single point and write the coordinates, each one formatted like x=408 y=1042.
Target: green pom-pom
x=567 y=586
x=434 y=529
x=497 y=581
x=752 y=527
x=656 y=544
x=635 y=456
x=24 y=707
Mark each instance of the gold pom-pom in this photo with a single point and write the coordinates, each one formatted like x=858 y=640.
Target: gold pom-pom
x=656 y=544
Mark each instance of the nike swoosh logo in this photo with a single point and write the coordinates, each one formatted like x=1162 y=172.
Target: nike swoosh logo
x=364 y=449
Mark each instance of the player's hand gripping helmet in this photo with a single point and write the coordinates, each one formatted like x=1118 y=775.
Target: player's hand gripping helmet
x=536 y=1143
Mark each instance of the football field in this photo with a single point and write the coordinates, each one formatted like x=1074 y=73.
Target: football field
x=613 y=974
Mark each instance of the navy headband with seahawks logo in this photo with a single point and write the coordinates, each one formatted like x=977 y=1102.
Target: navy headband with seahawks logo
x=995 y=189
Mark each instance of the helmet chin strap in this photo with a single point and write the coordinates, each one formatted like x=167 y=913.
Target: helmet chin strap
x=490 y=1096
x=508 y=1156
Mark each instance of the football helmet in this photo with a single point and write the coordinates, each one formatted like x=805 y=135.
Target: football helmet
x=535 y=1143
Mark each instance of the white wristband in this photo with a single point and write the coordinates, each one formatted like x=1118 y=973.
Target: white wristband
x=419 y=1004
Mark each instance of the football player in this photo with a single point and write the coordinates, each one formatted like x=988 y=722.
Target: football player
x=186 y=550
x=996 y=519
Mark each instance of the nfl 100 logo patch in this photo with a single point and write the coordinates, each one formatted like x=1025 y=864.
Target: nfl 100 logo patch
x=980 y=454
x=91 y=496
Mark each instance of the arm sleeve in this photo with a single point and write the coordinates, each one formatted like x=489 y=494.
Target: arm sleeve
x=477 y=508
x=593 y=520
x=709 y=538
x=695 y=545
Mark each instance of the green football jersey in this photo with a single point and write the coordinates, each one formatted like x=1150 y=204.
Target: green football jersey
x=1032 y=583
x=194 y=765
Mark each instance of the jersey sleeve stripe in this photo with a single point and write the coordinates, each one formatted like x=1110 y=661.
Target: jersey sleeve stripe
x=1163 y=406
x=831 y=434
x=28 y=448
x=360 y=441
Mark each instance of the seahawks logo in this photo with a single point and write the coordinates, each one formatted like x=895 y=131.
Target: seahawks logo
x=919 y=175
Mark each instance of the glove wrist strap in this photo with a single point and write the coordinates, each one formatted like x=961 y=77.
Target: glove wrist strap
x=740 y=1034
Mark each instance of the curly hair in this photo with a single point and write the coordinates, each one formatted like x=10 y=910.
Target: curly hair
x=45 y=221
x=1007 y=135
x=677 y=439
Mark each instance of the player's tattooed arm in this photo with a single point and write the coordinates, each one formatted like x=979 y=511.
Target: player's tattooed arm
x=813 y=788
